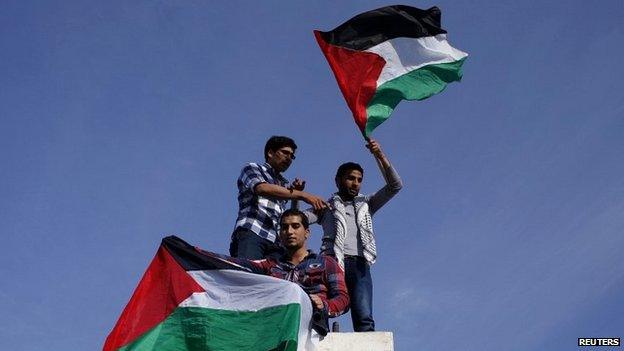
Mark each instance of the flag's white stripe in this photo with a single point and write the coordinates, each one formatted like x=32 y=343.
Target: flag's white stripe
x=243 y=291
x=404 y=55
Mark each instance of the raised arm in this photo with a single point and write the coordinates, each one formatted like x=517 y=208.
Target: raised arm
x=393 y=181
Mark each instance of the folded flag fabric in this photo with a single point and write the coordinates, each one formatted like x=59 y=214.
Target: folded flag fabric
x=190 y=300
x=383 y=56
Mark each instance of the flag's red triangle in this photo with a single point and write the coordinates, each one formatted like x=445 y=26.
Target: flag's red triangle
x=356 y=73
x=163 y=287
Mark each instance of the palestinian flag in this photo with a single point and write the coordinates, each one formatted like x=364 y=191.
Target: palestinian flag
x=190 y=300
x=383 y=56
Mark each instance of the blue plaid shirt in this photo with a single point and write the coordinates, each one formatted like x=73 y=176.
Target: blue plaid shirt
x=257 y=213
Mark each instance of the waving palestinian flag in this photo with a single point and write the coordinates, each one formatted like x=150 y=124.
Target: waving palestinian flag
x=383 y=56
x=189 y=300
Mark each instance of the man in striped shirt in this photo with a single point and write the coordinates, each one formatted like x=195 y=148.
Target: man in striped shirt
x=262 y=196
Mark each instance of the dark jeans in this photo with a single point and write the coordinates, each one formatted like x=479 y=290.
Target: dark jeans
x=247 y=244
x=360 y=288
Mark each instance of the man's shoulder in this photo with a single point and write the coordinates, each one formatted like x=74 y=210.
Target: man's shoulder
x=312 y=258
x=253 y=168
x=268 y=261
x=328 y=259
x=253 y=165
x=362 y=198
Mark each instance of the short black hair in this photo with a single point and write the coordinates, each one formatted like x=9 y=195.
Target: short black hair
x=295 y=212
x=348 y=167
x=277 y=142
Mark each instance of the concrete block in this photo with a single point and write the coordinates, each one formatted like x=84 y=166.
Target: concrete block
x=369 y=341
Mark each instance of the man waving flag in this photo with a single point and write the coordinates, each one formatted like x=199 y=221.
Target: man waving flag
x=383 y=56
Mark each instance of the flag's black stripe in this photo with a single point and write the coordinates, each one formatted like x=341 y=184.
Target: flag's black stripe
x=192 y=259
x=374 y=27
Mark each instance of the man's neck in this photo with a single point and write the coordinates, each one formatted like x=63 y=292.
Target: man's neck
x=346 y=197
x=272 y=167
x=298 y=255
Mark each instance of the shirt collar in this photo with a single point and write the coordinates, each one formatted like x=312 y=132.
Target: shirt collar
x=284 y=258
x=338 y=198
x=274 y=173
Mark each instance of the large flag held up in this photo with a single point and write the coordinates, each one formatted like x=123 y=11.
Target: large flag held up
x=190 y=300
x=383 y=56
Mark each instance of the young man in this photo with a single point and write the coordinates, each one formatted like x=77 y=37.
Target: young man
x=348 y=231
x=262 y=196
x=319 y=275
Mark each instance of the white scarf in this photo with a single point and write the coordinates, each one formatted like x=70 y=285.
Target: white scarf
x=364 y=223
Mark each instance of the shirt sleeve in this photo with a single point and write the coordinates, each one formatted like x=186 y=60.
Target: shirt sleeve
x=312 y=216
x=256 y=266
x=337 y=296
x=251 y=175
x=383 y=195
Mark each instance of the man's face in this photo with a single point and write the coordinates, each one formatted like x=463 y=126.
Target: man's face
x=292 y=233
x=349 y=184
x=281 y=158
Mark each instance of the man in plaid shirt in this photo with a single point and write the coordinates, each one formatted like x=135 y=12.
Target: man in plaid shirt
x=318 y=275
x=262 y=196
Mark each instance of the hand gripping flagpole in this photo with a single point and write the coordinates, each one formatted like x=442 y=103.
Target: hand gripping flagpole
x=381 y=167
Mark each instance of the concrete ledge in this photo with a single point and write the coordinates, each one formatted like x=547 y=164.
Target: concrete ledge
x=369 y=341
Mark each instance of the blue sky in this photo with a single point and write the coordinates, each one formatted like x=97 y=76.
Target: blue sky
x=123 y=122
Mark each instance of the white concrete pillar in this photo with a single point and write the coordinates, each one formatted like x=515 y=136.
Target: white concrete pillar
x=368 y=341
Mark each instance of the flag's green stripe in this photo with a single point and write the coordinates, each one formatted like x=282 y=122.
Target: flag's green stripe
x=200 y=329
x=418 y=84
